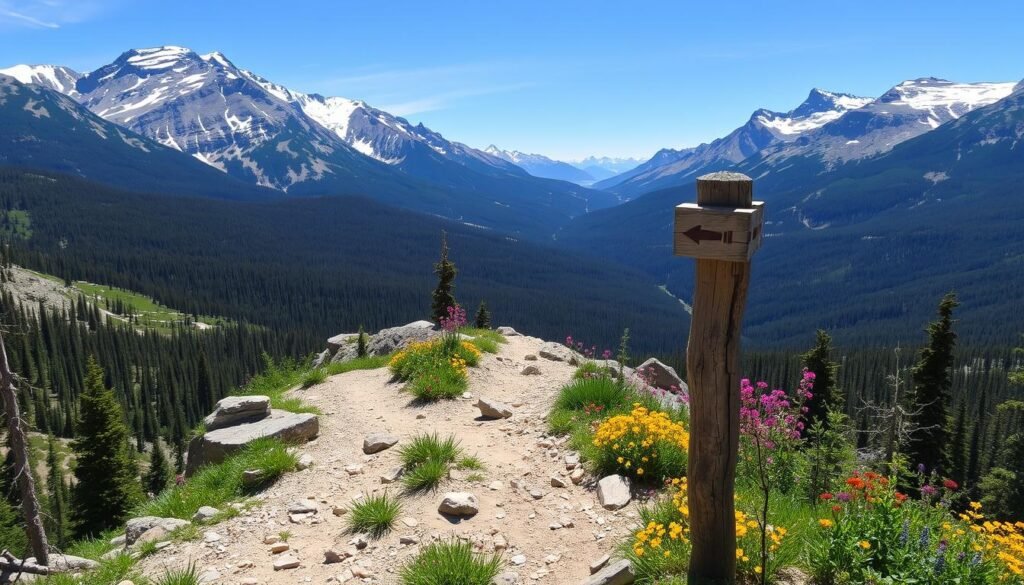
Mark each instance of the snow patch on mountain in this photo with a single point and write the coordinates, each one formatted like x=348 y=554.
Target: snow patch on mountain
x=59 y=79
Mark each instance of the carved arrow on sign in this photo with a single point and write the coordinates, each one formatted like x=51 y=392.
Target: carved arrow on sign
x=697 y=234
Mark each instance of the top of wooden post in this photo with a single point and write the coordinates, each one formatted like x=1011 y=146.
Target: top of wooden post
x=725 y=189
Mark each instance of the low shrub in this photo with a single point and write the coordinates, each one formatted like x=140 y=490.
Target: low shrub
x=644 y=444
x=451 y=563
x=593 y=392
x=314 y=377
x=435 y=369
x=374 y=515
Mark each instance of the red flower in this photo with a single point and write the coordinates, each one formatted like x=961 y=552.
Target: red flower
x=837 y=508
x=900 y=497
x=950 y=485
x=855 y=483
x=826 y=496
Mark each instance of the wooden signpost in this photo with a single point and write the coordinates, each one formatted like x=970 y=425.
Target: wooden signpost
x=722 y=231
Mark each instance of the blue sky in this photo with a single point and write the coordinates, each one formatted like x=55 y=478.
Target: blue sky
x=562 y=78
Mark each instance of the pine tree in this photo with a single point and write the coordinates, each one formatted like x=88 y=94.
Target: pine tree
x=108 y=485
x=204 y=385
x=826 y=395
x=56 y=525
x=443 y=296
x=958 y=445
x=361 y=343
x=158 y=475
x=12 y=530
x=483 y=316
x=974 y=470
x=928 y=441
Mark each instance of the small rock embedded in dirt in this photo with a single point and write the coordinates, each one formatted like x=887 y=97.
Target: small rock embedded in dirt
x=462 y=504
x=577 y=476
x=279 y=548
x=360 y=541
x=205 y=514
x=339 y=510
x=599 y=563
x=536 y=494
x=496 y=486
x=617 y=573
x=334 y=556
x=354 y=469
x=519 y=560
x=378 y=442
x=392 y=475
x=557 y=482
x=613 y=492
x=305 y=462
x=410 y=522
x=286 y=562
x=492 y=408
x=572 y=460
x=251 y=477
x=506 y=578
x=302 y=507
x=531 y=371
x=408 y=539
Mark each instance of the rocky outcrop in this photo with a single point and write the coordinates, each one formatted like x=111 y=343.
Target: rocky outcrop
x=59 y=563
x=136 y=527
x=344 y=346
x=235 y=410
x=662 y=376
x=557 y=352
x=214 y=446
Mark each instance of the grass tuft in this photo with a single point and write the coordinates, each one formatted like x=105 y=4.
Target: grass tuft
x=444 y=563
x=216 y=485
x=375 y=515
x=429 y=447
x=602 y=392
x=185 y=576
x=425 y=476
x=471 y=462
x=363 y=363
x=314 y=377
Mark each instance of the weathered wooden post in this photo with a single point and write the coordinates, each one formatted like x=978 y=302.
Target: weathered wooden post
x=722 y=231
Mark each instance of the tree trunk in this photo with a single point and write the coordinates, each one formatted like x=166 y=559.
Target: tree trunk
x=22 y=469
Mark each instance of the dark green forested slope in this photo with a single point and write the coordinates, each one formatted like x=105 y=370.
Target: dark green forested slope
x=887 y=236
x=324 y=265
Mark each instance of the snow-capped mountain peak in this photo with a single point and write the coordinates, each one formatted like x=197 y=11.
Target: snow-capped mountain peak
x=935 y=95
x=55 y=77
x=820 y=108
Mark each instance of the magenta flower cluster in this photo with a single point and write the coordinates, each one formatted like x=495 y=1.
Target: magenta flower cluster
x=455 y=320
x=772 y=415
x=588 y=352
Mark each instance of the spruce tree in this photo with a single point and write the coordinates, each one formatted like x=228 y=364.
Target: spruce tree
x=826 y=395
x=159 y=475
x=108 y=484
x=483 y=316
x=974 y=470
x=56 y=525
x=958 y=445
x=361 y=343
x=928 y=441
x=444 y=295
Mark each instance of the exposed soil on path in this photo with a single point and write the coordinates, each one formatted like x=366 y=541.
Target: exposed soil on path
x=519 y=457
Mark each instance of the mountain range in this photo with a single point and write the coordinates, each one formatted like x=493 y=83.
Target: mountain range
x=259 y=132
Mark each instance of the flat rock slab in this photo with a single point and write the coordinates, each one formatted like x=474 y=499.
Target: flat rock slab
x=136 y=527
x=378 y=442
x=617 y=573
x=613 y=492
x=205 y=514
x=235 y=410
x=215 y=446
x=65 y=563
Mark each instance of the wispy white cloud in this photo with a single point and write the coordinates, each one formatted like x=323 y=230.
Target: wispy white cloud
x=47 y=14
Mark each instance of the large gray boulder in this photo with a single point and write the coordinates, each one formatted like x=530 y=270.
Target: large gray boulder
x=387 y=341
x=508 y=331
x=136 y=527
x=341 y=340
x=235 y=410
x=215 y=446
x=64 y=563
x=661 y=376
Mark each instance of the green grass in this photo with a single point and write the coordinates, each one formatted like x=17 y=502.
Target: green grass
x=363 y=363
x=110 y=572
x=94 y=548
x=471 y=462
x=425 y=476
x=374 y=515
x=151 y=314
x=475 y=477
x=488 y=334
x=275 y=381
x=602 y=391
x=284 y=535
x=15 y=224
x=216 y=485
x=451 y=563
x=185 y=576
x=314 y=377
x=437 y=381
x=429 y=447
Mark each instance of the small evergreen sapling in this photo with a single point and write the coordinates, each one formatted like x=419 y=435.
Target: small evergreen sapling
x=483 y=316
x=361 y=343
x=444 y=296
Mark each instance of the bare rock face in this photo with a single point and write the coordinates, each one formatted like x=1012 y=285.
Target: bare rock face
x=387 y=341
x=215 y=446
x=557 y=352
x=508 y=332
x=235 y=410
